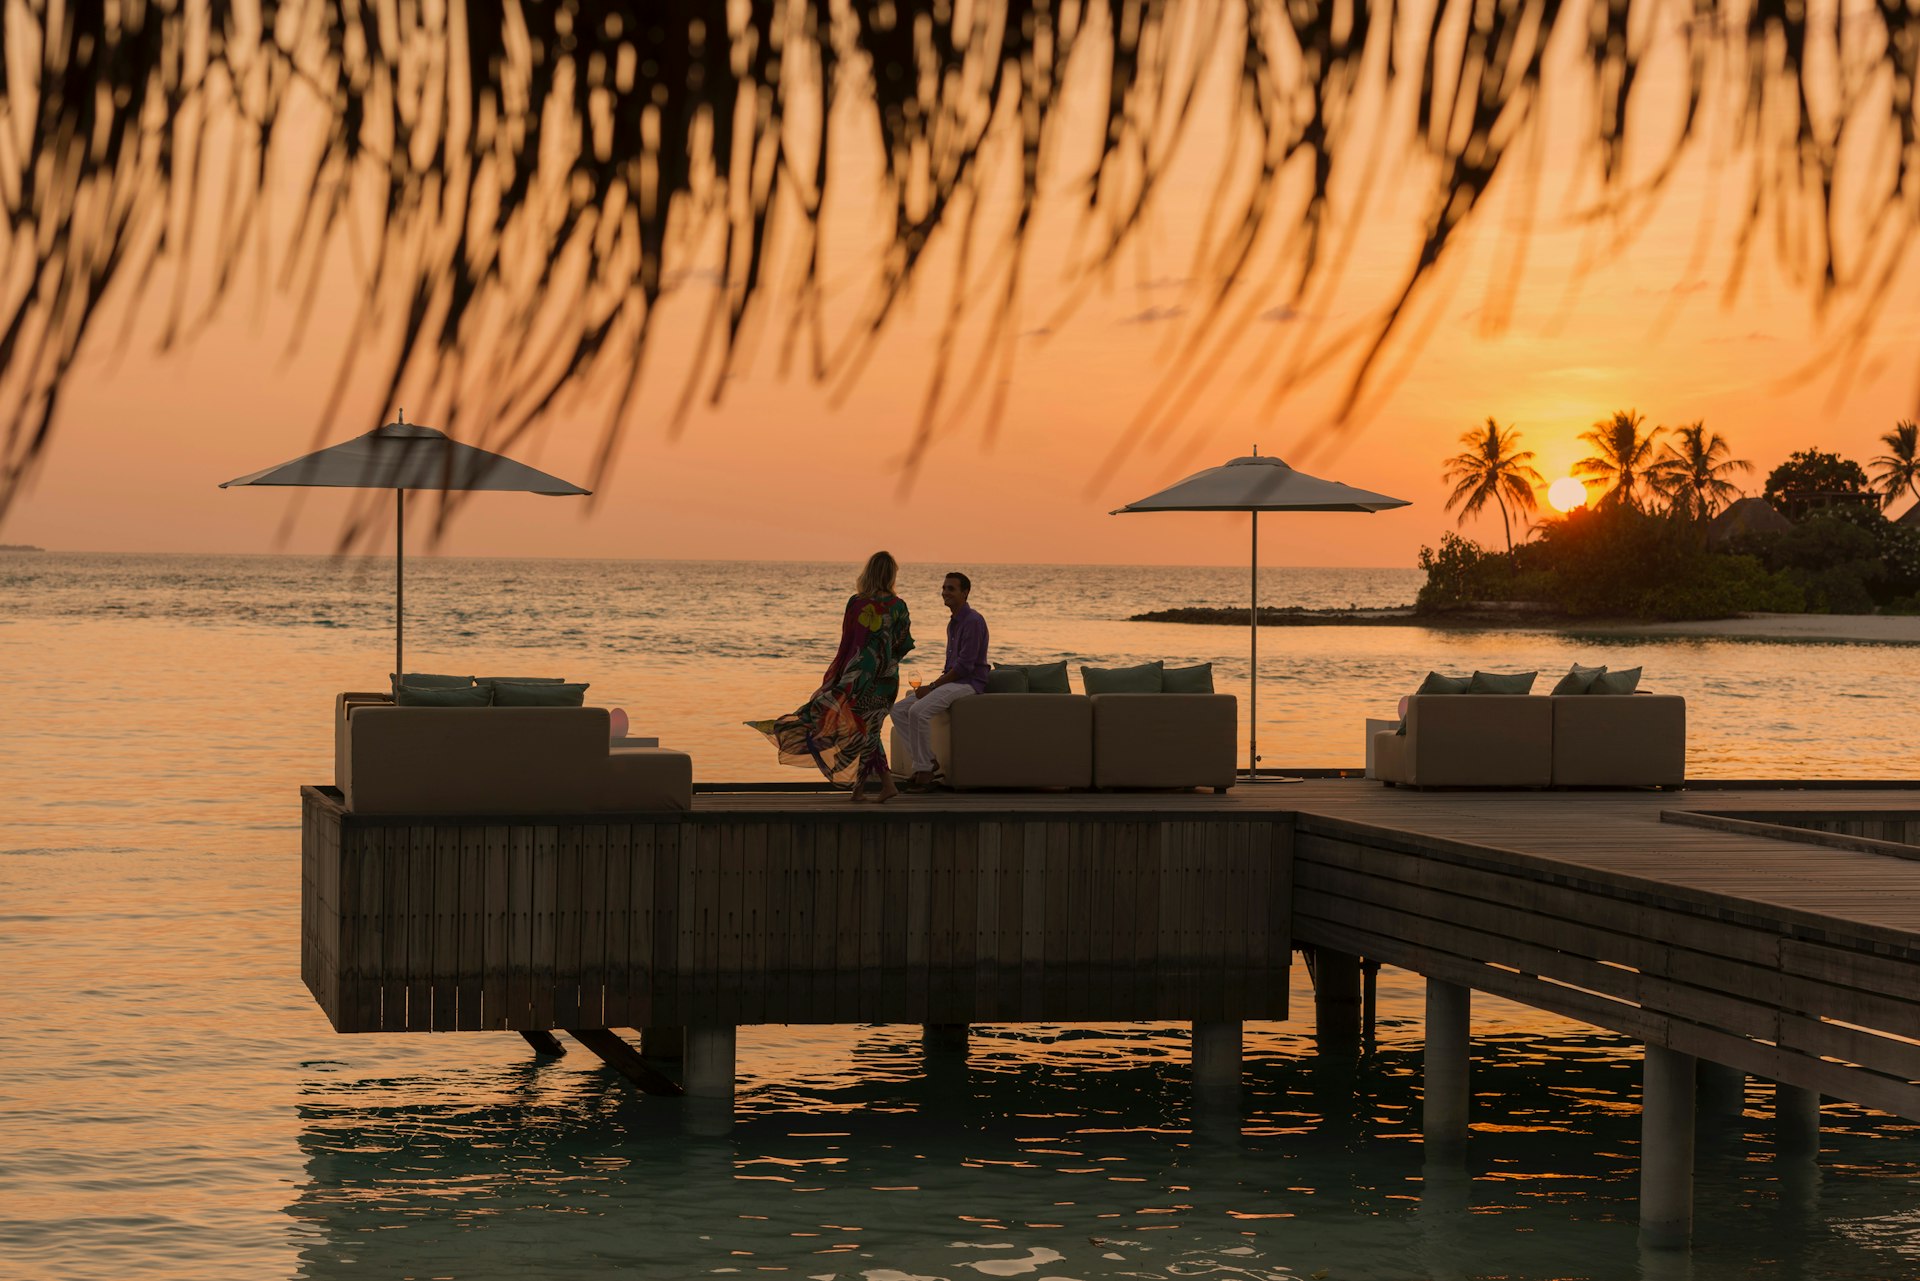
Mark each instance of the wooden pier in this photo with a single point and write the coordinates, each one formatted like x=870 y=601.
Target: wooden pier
x=1769 y=931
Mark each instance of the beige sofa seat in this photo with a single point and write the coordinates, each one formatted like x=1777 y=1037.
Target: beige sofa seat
x=1009 y=740
x=1165 y=740
x=499 y=760
x=1630 y=740
x=1470 y=740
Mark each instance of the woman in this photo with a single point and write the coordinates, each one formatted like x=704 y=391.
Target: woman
x=839 y=727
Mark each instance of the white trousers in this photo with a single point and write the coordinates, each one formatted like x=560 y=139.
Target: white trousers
x=914 y=715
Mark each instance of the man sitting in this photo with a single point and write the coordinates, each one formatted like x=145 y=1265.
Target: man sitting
x=965 y=673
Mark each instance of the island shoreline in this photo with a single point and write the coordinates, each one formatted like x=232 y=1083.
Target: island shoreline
x=1883 y=629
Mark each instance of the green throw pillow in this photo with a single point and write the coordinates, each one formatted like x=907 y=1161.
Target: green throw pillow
x=1578 y=680
x=1048 y=678
x=441 y=696
x=1623 y=681
x=1147 y=678
x=544 y=694
x=426 y=680
x=1005 y=678
x=490 y=681
x=1197 y=679
x=1438 y=684
x=1502 y=682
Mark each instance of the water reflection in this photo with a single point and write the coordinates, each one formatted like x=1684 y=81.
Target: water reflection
x=1049 y=1152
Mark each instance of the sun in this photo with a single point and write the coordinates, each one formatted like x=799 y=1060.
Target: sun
x=1566 y=494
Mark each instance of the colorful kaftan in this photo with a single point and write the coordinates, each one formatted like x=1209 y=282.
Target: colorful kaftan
x=838 y=729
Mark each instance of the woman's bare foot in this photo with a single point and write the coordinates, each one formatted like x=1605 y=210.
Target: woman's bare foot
x=887 y=791
x=858 y=788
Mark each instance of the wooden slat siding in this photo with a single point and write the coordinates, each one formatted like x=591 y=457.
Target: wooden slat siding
x=1033 y=936
x=473 y=924
x=546 y=920
x=445 y=1015
x=986 y=924
x=895 y=865
x=594 y=890
x=919 y=918
x=1146 y=920
x=569 y=840
x=519 y=1003
x=359 y=882
x=699 y=850
x=1886 y=976
x=822 y=853
x=873 y=912
x=493 y=945
x=802 y=927
x=388 y=913
x=779 y=942
x=1254 y=869
x=846 y=925
x=760 y=890
x=665 y=925
x=727 y=896
x=705 y=988
x=637 y=985
x=1013 y=873
x=616 y=959
x=419 y=1012
x=966 y=923
x=1853 y=1045
x=1053 y=985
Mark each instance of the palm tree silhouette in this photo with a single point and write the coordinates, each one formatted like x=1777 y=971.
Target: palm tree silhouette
x=1692 y=469
x=1492 y=469
x=1622 y=456
x=1899 y=467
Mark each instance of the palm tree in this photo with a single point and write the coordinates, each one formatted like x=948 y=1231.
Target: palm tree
x=1491 y=468
x=1621 y=458
x=1899 y=467
x=1691 y=472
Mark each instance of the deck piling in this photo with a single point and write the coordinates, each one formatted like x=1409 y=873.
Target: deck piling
x=710 y=1061
x=1796 y=1121
x=1336 y=1000
x=662 y=1042
x=1445 y=1095
x=1216 y=1058
x=1666 y=1149
x=1722 y=1091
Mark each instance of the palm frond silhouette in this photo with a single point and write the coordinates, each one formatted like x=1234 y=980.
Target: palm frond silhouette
x=511 y=179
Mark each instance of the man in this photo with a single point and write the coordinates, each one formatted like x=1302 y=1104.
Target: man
x=965 y=673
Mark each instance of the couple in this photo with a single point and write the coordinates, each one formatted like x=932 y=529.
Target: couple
x=839 y=727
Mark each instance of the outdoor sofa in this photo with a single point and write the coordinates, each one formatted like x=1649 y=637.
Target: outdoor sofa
x=497 y=760
x=1537 y=740
x=1020 y=741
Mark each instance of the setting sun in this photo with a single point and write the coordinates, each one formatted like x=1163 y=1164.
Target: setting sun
x=1566 y=494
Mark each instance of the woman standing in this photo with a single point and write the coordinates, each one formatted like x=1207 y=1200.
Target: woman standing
x=838 y=729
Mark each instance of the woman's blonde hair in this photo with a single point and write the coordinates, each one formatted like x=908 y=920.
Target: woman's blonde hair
x=879 y=575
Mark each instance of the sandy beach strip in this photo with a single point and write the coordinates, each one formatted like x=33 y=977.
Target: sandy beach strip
x=1871 y=629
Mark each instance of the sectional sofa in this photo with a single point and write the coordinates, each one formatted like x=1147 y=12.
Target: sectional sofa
x=497 y=760
x=997 y=740
x=1537 y=740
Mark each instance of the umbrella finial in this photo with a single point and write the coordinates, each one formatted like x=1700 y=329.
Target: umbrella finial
x=400 y=416
x=1256 y=451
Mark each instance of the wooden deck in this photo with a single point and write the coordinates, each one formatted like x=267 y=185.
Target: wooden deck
x=1795 y=960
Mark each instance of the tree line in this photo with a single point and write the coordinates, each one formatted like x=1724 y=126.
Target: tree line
x=1647 y=544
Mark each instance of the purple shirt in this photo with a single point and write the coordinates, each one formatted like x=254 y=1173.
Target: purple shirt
x=967 y=647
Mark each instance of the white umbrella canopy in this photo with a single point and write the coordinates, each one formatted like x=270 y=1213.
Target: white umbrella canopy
x=1258 y=483
x=402 y=456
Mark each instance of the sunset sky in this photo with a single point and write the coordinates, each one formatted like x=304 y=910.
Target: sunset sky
x=777 y=471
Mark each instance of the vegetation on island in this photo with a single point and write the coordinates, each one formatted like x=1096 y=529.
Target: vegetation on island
x=1657 y=539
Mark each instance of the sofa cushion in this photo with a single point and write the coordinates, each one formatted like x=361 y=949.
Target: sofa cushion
x=545 y=694
x=1164 y=740
x=1197 y=679
x=1046 y=678
x=1621 y=681
x=439 y=696
x=1578 y=680
x=519 y=680
x=1502 y=682
x=1005 y=678
x=1147 y=678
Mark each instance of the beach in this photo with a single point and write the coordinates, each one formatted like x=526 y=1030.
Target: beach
x=1866 y=629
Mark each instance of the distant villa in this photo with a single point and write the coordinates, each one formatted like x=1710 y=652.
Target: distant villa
x=20 y=547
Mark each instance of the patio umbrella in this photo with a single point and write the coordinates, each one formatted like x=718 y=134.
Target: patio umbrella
x=402 y=456
x=1255 y=484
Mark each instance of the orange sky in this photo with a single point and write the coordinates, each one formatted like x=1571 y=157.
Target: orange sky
x=776 y=472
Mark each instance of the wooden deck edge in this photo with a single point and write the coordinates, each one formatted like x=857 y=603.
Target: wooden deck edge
x=1774 y=830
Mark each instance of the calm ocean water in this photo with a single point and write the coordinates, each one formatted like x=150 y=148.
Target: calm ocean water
x=173 y=1105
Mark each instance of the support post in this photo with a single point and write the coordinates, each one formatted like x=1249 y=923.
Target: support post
x=1216 y=1057
x=710 y=1058
x=663 y=1042
x=1369 y=998
x=1796 y=1121
x=400 y=582
x=1336 y=999
x=1722 y=1089
x=1445 y=1094
x=945 y=1036
x=1666 y=1149
x=1253 y=656
x=613 y=1050
x=545 y=1044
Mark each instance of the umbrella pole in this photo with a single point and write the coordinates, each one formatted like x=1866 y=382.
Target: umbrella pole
x=1253 y=664
x=399 y=580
